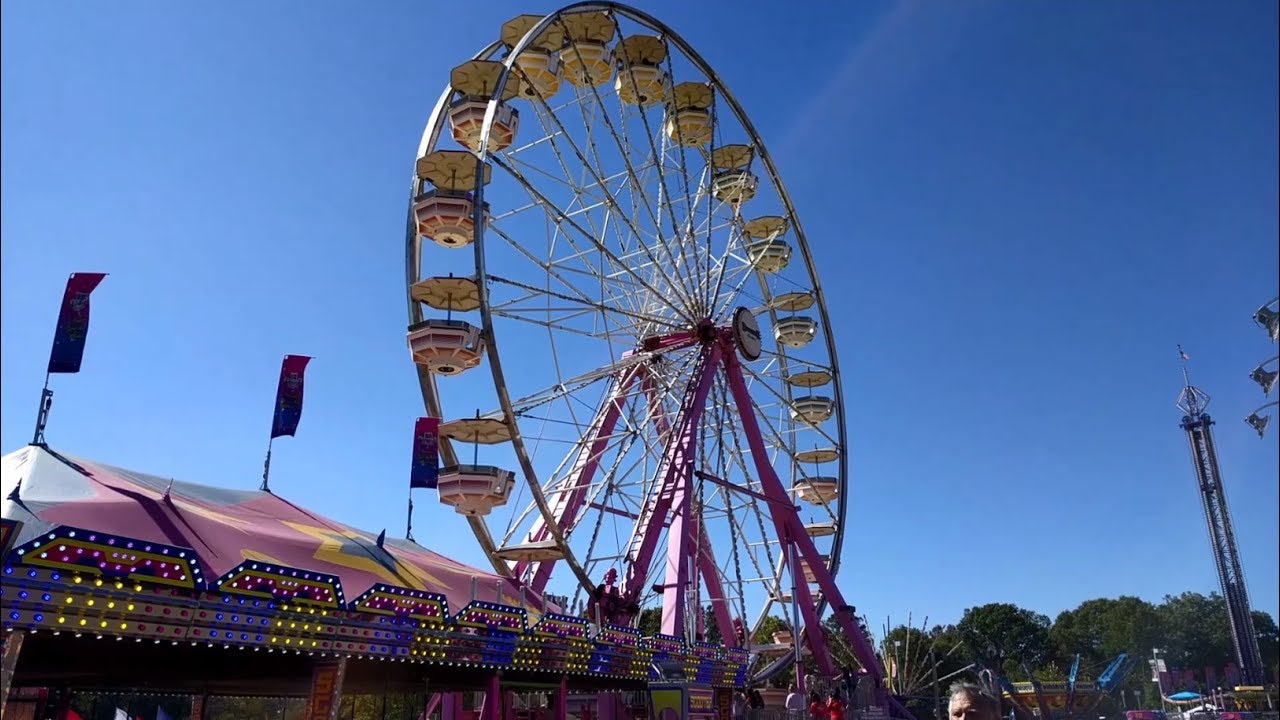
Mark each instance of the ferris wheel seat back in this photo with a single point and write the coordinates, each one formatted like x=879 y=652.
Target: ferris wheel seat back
x=812 y=577
x=540 y=73
x=585 y=55
x=769 y=256
x=795 y=331
x=446 y=347
x=818 y=491
x=733 y=182
x=447 y=217
x=474 y=489
x=734 y=186
x=813 y=409
x=466 y=122
x=688 y=118
x=690 y=127
x=586 y=63
x=641 y=85
x=641 y=80
x=820 y=529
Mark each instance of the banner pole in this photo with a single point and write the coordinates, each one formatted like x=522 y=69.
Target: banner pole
x=408 y=527
x=266 y=469
x=42 y=417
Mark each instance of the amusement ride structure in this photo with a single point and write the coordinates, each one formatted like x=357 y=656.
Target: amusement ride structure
x=609 y=288
x=1197 y=424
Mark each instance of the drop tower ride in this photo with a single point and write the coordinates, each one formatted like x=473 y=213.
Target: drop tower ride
x=1226 y=555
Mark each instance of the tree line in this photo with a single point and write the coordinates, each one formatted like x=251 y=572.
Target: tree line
x=1189 y=631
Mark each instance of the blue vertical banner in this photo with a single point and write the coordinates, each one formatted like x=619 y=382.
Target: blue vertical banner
x=426 y=453
x=73 y=323
x=289 y=395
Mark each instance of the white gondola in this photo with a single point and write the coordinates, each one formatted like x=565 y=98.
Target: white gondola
x=446 y=347
x=466 y=120
x=813 y=410
x=733 y=182
x=820 y=529
x=734 y=186
x=688 y=114
x=540 y=551
x=446 y=217
x=475 y=81
x=769 y=256
x=585 y=57
x=445 y=214
x=474 y=489
x=537 y=70
x=810 y=575
x=795 y=331
x=641 y=80
x=817 y=490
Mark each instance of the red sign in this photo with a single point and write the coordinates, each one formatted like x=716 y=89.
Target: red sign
x=326 y=691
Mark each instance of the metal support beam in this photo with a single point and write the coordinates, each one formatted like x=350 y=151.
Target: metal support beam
x=9 y=663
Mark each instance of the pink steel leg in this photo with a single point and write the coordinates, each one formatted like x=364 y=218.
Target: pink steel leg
x=570 y=500
x=492 y=708
x=706 y=562
x=675 y=470
x=675 y=600
x=562 y=700
x=803 y=543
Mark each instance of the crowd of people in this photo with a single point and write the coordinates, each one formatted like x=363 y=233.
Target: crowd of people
x=967 y=702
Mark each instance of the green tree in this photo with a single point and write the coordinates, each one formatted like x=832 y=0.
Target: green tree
x=1099 y=630
x=1195 y=631
x=1004 y=635
x=712 y=628
x=1268 y=641
x=650 y=621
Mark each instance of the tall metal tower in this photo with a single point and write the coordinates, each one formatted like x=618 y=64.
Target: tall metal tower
x=1226 y=555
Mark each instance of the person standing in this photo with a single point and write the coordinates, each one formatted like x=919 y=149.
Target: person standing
x=972 y=702
x=835 y=707
x=794 y=704
x=817 y=709
x=739 y=708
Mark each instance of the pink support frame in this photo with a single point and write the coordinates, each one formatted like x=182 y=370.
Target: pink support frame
x=796 y=535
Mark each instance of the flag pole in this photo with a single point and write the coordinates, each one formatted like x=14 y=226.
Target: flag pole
x=42 y=417
x=266 y=468
x=408 y=528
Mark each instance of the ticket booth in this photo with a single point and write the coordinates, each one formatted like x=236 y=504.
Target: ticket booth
x=681 y=700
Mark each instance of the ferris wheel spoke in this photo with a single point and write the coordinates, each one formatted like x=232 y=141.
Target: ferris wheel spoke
x=592 y=169
x=624 y=145
x=655 y=294
x=579 y=253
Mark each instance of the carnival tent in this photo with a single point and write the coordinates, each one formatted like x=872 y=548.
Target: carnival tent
x=45 y=489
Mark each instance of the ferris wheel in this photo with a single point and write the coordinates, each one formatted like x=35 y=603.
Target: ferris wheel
x=616 y=315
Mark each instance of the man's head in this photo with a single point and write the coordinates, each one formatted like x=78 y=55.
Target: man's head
x=972 y=702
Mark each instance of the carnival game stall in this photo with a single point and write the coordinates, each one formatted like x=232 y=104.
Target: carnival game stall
x=115 y=579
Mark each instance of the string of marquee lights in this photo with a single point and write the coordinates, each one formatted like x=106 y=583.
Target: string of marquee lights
x=86 y=583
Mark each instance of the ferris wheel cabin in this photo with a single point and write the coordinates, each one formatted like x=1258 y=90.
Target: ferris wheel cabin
x=733 y=181
x=446 y=347
x=475 y=489
x=474 y=82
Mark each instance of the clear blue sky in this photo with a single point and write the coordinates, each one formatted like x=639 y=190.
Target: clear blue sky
x=1018 y=208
